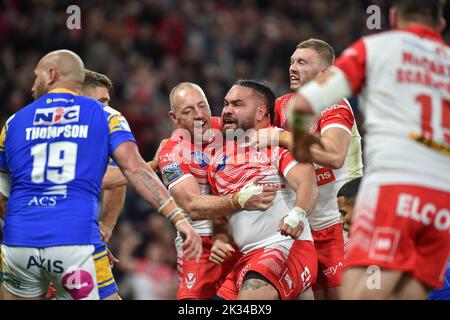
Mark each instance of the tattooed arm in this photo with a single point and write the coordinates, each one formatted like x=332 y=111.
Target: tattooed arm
x=149 y=187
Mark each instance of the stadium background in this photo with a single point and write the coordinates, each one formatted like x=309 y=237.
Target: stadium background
x=146 y=47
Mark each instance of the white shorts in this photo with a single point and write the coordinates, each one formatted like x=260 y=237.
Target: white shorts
x=28 y=272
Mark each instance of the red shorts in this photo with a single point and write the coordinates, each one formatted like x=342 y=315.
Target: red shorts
x=404 y=228
x=329 y=244
x=201 y=280
x=290 y=271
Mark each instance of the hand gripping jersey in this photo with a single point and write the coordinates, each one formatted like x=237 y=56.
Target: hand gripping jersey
x=234 y=167
x=179 y=159
x=329 y=180
x=56 y=151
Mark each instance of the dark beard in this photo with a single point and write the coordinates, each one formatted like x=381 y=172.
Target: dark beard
x=39 y=91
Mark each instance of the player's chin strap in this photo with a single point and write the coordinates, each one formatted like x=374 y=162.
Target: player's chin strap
x=295 y=216
x=249 y=190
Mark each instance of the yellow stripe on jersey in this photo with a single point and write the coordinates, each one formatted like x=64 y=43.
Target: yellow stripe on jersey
x=430 y=143
x=2 y=139
x=95 y=256
x=103 y=270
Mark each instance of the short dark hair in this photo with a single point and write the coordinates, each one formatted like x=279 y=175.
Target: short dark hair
x=350 y=189
x=323 y=49
x=427 y=11
x=264 y=90
x=94 y=79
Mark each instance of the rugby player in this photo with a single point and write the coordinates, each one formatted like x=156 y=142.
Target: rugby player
x=278 y=256
x=337 y=159
x=183 y=165
x=402 y=216
x=56 y=151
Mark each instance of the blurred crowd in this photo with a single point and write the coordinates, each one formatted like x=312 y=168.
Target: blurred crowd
x=146 y=47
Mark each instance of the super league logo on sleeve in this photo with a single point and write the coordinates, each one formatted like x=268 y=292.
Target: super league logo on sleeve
x=57 y=115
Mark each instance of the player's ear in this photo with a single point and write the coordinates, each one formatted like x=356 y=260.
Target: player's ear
x=261 y=112
x=173 y=117
x=393 y=18
x=442 y=24
x=51 y=76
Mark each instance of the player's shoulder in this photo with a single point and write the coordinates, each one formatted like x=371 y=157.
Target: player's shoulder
x=284 y=98
x=342 y=106
x=216 y=123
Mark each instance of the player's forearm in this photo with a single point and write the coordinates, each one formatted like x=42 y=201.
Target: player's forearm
x=112 y=204
x=286 y=139
x=203 y=207
x=328 y=154
x=306 y=195
x=220 y=229
x=113 y=178
x=147 y=184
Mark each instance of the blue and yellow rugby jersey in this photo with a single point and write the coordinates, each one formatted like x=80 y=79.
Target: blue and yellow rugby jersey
x=56 y=150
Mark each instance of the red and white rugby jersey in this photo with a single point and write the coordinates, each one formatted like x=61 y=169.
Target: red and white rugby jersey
x=403 y=81
x=234 y=167
x=330 y=180
x=179 y=159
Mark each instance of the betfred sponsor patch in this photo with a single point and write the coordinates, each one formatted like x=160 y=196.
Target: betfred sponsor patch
x=170 y=172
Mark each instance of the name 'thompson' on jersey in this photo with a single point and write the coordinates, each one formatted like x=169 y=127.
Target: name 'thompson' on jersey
x=56 y=150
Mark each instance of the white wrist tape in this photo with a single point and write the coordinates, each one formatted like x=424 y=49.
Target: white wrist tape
x=322 y=95
x=249 y=190
x=295 y=216
x=5 y=184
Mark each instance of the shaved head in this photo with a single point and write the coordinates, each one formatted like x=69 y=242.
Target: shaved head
x=180 y=91
x=60 y=68
x=189 y=107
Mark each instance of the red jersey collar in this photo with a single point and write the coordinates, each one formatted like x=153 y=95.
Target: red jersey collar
x=425 y=32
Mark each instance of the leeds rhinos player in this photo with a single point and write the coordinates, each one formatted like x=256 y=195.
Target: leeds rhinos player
x=272 y=266
x=184 y=166
x=336 y=161
x=56 y=151
x=401 y=221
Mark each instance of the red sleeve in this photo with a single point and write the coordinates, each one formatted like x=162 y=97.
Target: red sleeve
x=216 y=123
x=353 y=63
x=171 y=164
x=285 y=161
x=277 y=111
x=339 y=115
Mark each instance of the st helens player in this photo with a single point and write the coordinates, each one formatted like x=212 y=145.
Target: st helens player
x=402 y=214
x=272 y=265
x=183 y=166
x=337 y=160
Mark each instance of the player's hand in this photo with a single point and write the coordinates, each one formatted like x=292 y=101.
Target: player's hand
x=192 y=243
x=265 y=137
x=287 y=230
x=220 y=251
x=154 y=163
x=105 y=231
x=262 y=201
x=112 y=259
x=302 y=147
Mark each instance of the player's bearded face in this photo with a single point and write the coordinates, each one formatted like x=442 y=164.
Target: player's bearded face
x=39 y=86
